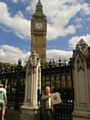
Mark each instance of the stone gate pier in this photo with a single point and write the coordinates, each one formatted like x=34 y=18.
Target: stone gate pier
x=81 y=79
x=29 y=109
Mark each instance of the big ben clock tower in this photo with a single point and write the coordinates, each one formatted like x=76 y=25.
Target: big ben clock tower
x=38 y=32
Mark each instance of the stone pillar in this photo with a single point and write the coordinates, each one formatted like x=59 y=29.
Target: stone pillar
x=29 y=109
x=81 y=78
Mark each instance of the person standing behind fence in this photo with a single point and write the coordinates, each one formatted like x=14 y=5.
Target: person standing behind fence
x=48 y=108
x=3 y=101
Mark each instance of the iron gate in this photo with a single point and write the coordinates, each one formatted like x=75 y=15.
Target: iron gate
x=13 y=79
x=59 y=78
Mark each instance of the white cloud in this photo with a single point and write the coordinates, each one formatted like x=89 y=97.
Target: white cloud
x=74 y=40
x=4 y=29
x=61 y=19
x=70 y=29
x=79 y=25
x=11 y=54
x=19 y=13
x=15 y=1
x=58 y=12
x=23 y=1
x=86 y=8
x=78 y=22
x=58 y=54
x=19 y=25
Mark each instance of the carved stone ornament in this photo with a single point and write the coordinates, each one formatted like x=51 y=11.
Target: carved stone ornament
x=80 y=63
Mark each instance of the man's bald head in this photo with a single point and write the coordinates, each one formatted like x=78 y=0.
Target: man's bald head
x=47 y=90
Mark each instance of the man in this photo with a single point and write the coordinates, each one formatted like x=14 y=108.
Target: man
x=48 y=108
x=3 y=101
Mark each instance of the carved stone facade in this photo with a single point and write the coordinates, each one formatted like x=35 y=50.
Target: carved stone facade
x=32 y=85
x=81 y=79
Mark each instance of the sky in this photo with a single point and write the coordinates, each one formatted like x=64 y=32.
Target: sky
x=68 y=21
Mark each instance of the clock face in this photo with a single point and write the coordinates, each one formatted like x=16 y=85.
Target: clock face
x=38 y=25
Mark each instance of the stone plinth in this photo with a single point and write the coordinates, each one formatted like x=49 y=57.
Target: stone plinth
x=81 y=115
x=30 y=114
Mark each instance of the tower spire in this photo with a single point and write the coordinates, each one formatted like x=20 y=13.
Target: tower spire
x=39 y=3
x=39 y=9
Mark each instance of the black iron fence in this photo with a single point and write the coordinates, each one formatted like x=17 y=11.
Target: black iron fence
x=13 y=79
x=56 y=75
x=59 y=78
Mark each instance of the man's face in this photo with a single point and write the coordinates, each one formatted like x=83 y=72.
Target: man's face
x=47 y=90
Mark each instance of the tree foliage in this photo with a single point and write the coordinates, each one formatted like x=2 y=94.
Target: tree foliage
x=7 y=64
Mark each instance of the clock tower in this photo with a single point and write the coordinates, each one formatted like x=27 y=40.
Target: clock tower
x=38 y=32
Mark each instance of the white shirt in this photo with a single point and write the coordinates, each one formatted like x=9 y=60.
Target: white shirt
x=49 y=102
